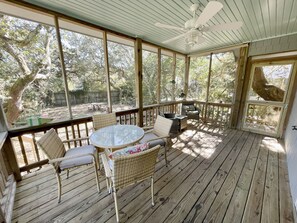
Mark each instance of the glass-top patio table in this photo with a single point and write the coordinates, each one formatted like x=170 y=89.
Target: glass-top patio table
x=116 y=136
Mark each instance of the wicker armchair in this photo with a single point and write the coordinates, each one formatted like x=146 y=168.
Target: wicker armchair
x=103 y=120
x=159 y=135
x=190 y=110
x=61 y=159
x=130 y=169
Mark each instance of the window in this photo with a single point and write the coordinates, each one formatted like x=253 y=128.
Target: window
x=30 y=55
x=222 y=79
x=198 y=78
x=122 y=75
x=270 y=82
x=150 y=79
x=167 y=81
x=180 y=77
x=84 y=62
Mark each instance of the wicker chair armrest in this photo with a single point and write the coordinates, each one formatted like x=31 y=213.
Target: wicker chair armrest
x=70 y=157
x=150 y=130
x=145 y=128
x=77 y=139
x=107 y=169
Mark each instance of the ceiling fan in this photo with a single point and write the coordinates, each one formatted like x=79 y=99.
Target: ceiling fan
x=195 y=27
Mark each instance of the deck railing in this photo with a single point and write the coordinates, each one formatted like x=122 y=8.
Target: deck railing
x=30 y=157
x=215 y=113
x=7 y=182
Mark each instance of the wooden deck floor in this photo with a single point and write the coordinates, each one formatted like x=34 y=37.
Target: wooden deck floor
x=214 y=176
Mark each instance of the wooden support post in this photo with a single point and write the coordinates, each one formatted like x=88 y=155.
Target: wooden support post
x=245 y=88
x=138 y=78
x=173 y=77
x=109 y=102
x=159 y=77
x=3 y=121
x=239 y=85
x=63 y=68
x=11 y=160
x=187 y=71
x=6 y=149
x=207 y=89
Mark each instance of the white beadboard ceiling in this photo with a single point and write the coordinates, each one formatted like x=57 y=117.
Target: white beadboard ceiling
x=261 y=19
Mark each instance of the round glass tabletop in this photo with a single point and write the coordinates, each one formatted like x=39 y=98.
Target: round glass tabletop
x=116 y=136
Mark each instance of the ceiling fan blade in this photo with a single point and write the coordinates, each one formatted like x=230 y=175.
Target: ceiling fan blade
x=175 y=38
x=161 y=25
x=223 y=27
x=201 y=39
x=210 y=10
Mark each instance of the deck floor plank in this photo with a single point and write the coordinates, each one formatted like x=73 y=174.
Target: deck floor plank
x=236 y=206
x=198 y=177
x=200 y=206
x=216 y=212
x=253 y=208
x=270 y=200
x=214 y=175
x=285 y=199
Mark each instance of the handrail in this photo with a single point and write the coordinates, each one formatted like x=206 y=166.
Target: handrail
x=39 y=128
x=25 y=138
x=77 y=120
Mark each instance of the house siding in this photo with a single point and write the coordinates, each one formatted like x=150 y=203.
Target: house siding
x=291 y=148
x=274 y=45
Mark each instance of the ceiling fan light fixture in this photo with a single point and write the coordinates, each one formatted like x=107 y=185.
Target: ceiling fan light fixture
x=194 y=28
x=192 y=39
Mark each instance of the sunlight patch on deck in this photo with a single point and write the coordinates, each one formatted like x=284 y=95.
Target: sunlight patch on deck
x=273 y=145
x=202 y=144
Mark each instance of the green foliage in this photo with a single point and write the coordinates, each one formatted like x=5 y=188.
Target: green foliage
x=198 y=74
x=84 y=61
x=166 y=78
x=222 y=80
x=149 y=81
x=180 y=77
x=122 y=71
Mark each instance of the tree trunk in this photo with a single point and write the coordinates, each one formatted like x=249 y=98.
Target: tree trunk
x=14 y=104
x=28 y=72
x=265 y=90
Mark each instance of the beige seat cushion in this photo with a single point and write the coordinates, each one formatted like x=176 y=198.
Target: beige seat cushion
x=192 y=112
x=65 y=164
x=148 y=136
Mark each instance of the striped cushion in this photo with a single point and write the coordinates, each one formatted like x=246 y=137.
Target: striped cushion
x=129 y=150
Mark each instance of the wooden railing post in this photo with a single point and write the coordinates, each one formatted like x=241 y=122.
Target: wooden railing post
x=138 y=78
